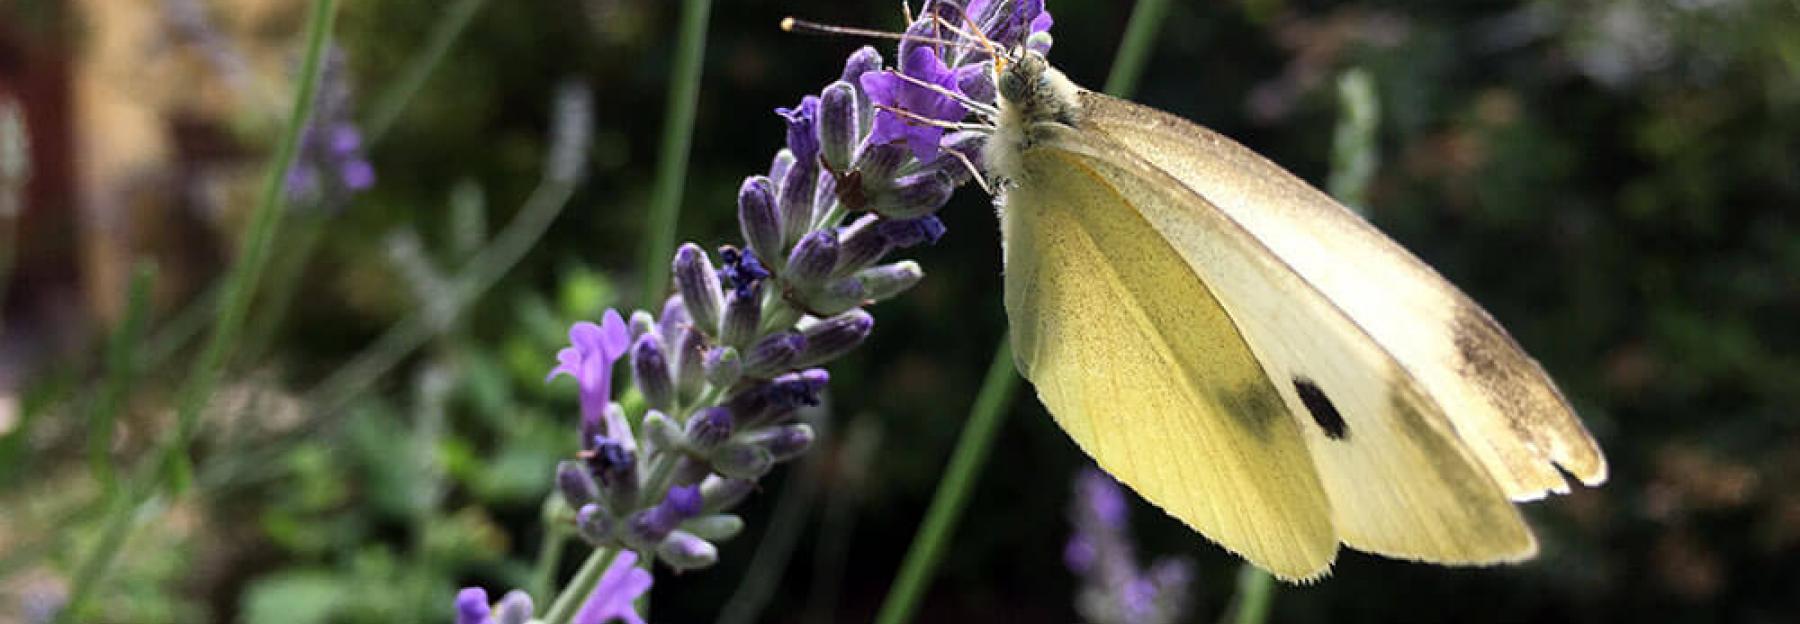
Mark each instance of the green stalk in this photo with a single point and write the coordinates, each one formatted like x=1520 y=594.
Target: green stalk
x=677 y=141
x=392 y=102
x=953 y=492
x=776 y=548
x=239 y=288
x=121 y=371
x=1255 y=594
x=563 y=609
x=1134 y=50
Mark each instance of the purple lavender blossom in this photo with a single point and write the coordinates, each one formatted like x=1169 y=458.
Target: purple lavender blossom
x=893 y=92
x=590 y=361
x=619 y=587
x=1113 y=588
x=330 y=165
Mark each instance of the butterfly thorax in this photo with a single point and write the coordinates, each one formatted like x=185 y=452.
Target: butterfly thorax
x=1033 y=97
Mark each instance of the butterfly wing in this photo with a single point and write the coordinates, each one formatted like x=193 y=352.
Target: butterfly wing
x=1140 y=364
x=1499 y=401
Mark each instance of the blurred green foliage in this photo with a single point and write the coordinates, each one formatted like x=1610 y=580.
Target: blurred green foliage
x=1615 y=180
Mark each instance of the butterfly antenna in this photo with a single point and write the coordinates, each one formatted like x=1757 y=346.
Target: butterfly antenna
x=970 y=103
x=790 y=24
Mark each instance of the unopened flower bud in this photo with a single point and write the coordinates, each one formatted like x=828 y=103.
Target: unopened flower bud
x=577 y=486
x=813 y=259
x=835 y=297
x=862 y=61
x=778 y=167
x=514 y=608
x=650 y=371
x=685 y=551
x=660 y=432
x=902 y=233
x=699 y=287
x=690 y=376
x=773 y=354
x=833 y=337
x=647 y=528
x=709 y=428
x=674 y=316
x=885 y=281
x=879 y=162
x=976 y=81
x=641 y=323
x=794 y=200
x=860 y=244
x=716 y=527
x=757 y=217
x=837 y=124
x=594 y=524
x=723 y=366
x=721 y=493
x=743 y=316
x=788 y=441
x=742 y=460
x=914 y=195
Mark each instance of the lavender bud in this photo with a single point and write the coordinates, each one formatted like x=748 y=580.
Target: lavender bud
x=912 y=196
x=723 y=366
x=577 y=486
x=802 y=129
x=743 y=316
x=862 y=61
x=684 y=551
x=720 y=493
x=650 y=370
x=757 y=217
x=641 y=323
x=885 y=281
x=773 y=354
x=617 y=471
x=699 y=287
x=660 y=432
x=859 y=245
x=813 y=259
x=709 y=428
x=778 y=168
x=903 y=233
x=794 y=202
x=472 y=606
x=836 y=297
x=838 y=124
x=618 y=431
x=741 y=460
x=787 y=441
x=825 y=194
x=690 y=376
x=833 y=337
x=690 y=470
x=674 y=316
x=777 y=398
x=514 y=608
x=593 y=524
x=647 y=528
x=878 y=164
x=715 y=528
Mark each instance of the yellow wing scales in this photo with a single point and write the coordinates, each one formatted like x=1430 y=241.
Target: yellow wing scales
x=1142 y=367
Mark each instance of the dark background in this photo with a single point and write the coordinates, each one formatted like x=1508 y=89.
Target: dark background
x=1615 y=180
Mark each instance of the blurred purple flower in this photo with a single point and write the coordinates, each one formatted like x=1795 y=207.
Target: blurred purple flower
x=613 y=596
x=1114 y=590
x=890 y=91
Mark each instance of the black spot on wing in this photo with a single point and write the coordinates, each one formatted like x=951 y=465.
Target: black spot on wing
x=1323 y=412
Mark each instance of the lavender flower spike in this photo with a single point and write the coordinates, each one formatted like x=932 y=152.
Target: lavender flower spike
x=614 y=595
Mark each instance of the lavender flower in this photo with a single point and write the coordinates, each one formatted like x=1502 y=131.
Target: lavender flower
x=1114 y=590
x=330 y=166
x=740 y=349
x=619 y=587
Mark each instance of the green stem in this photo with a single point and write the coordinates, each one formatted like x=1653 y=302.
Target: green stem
x=1255 y=594
x=239 y=288
x=563 y=609
x=677 y=141
x=776 y=548
x=392 y=102
x=1134 y=50
x=543 y=573
x=953 y=492
x=121 y=371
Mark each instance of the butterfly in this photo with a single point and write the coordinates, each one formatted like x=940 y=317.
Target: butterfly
x=1253 y=357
